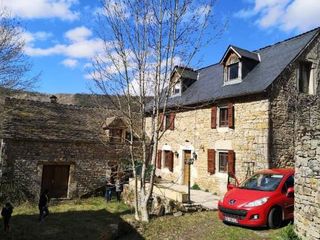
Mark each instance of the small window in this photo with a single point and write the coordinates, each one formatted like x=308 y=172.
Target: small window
x=167 y=159
x=223 y=162
x=223 y=117
x=176 y=89
x=167 y=121
x=233 y=71
x=115 y=135
x=306 y=82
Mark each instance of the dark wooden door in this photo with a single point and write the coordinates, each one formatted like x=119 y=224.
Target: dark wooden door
x=55 y=178
x=187 y=156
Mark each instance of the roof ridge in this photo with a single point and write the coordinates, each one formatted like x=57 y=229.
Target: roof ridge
x=288 y=39
x=47 y=103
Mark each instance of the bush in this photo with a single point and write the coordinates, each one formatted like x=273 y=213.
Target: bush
x=195 y=187
x=288 y=233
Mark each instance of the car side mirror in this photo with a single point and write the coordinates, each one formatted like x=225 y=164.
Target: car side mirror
x=290 y=192
x=230 y=186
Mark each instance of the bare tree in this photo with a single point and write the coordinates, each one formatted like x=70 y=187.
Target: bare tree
x=14 y=64
x=143 y=41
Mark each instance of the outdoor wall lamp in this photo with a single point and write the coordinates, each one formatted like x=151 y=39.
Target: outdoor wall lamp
x=176 y=154
x=194 y=156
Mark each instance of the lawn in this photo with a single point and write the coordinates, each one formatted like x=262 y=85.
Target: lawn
x=89 y=219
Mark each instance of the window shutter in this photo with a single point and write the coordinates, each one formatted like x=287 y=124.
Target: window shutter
x=172 y=117
x=161 y=120
x=230 y=115
x=211 y=161
x=159 y=159
x=171 y=161
x=214 y=117
x=231 y=162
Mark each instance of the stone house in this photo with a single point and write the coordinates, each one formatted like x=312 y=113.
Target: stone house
x=237 y=115
x=70 y=150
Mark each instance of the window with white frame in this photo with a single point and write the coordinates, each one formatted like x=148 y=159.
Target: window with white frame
x=223 y=116
x=232 y=72
x=176 y=89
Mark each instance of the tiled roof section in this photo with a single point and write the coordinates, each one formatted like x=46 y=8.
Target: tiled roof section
x=34 y=120
x=187 y=73
x=274 y=59
x=246 y=54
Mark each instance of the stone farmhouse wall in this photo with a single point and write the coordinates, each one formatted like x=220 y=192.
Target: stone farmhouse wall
x=307 y=166
x=23 y=161
x=248 y=139
x=307 y=157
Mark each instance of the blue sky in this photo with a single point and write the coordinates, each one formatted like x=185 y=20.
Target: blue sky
x=60 y=34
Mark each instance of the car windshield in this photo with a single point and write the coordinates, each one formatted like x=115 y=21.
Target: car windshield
x=262 y=182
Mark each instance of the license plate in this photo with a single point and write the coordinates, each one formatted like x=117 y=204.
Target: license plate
x=230 y=219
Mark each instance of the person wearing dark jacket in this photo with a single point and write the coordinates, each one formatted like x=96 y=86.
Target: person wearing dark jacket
x=43 y=205
x=6 y=215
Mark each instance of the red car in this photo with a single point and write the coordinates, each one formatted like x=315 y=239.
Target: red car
x=265 y=199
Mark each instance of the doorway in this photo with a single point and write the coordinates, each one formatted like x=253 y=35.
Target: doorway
x=55 y=179
x=186 y=171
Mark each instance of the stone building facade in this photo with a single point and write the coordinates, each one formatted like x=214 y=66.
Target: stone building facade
x=63 y=148
x=260 y=90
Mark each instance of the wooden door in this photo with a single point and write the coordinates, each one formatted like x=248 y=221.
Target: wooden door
x=55 y=178
x=187 y=156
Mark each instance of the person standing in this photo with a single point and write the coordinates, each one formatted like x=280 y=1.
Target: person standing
x=109 y=188
x=43 y=205
x=118 y=187
x=6 y=215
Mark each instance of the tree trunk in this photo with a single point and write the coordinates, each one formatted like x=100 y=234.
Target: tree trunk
x=144 y=208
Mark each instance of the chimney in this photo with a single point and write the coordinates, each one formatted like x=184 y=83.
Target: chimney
x=53 y=99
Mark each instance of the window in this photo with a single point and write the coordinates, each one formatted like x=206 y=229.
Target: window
x=115 y=135
x=167 y=121
x=306 y=81
x=176 y=89
x=288 y=184
x=223 y=117
x=168 y=160
x=223 y=162
x=233 y=71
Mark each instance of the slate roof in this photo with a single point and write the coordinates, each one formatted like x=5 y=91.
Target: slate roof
x=245 y=53
x=35 y=120
x=274 y=59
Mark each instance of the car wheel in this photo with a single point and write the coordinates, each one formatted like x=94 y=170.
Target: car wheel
x=275 y=218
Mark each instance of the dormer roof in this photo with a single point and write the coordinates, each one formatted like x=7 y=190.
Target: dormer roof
x=185 y=72
x=241 y=53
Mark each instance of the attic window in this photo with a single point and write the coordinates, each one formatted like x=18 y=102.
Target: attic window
x=176 y=89
x=232 y=70
x=306 y=82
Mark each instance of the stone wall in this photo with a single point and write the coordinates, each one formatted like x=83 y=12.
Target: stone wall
x=249 y=140
x=22 y=163
x=284 y=100
x=307 y=157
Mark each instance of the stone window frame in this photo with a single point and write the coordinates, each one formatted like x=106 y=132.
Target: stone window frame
x=312 y=83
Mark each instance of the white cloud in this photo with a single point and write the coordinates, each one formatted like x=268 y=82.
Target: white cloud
x=114 y=9
x=70 y=63
x=287 y=15
x=78 y=34
x=79 y=46
x=35 y=9
x=30 y=38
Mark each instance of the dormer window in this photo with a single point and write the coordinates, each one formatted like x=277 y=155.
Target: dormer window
x=237 y=64
x=233 y=71
x=176 y=89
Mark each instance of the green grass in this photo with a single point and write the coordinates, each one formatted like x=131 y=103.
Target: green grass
x=203 y=225
x=89 y=219
x=85 y=219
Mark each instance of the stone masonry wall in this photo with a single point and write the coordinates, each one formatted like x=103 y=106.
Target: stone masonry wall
x=283 y=104
x=307 y=156
x=22 y=162
x=249 y=140
x=307 y=177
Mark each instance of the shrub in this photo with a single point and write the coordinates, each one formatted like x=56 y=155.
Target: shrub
x=288 y=233
x=195 y=187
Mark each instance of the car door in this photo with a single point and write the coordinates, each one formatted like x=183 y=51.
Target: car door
x=288 y=204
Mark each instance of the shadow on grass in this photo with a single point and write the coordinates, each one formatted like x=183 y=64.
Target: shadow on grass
x=70 y=225
x=263 y=228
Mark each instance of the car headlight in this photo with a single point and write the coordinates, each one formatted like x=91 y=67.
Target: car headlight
x=257 y=203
